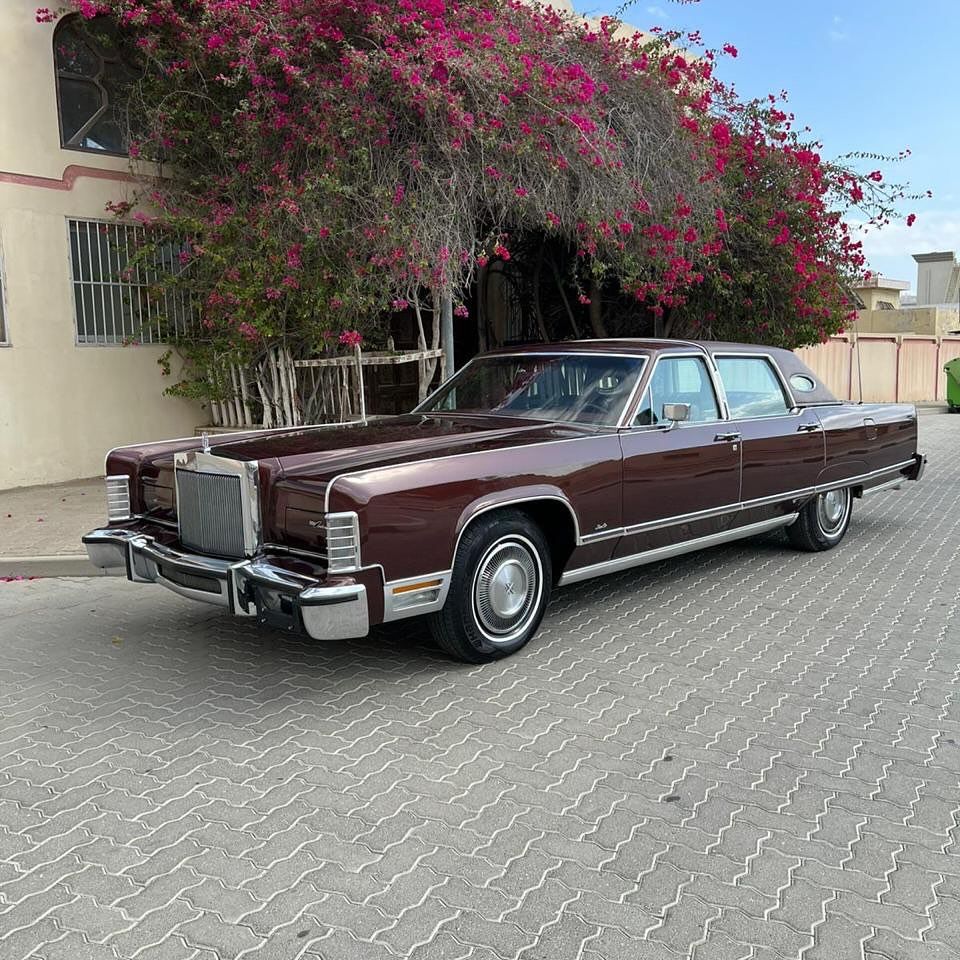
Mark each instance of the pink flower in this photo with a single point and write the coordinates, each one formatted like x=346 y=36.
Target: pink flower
x=730 y=50
x=911 y=219
x=876 y=176
x=720 y=134
x=461 y=311
x=400 y=304
x=501 y=251
x=248 y=332
x=350 y=338
x=272 y=293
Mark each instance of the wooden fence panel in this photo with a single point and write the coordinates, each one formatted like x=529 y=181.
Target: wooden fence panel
x=877 y=364
x=917 y=370
x=831 y=363
x=895 y=367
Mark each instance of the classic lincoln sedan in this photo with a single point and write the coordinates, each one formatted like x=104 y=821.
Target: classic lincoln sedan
x=529 y=469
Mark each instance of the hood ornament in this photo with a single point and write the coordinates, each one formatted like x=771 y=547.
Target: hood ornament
x=205 y=441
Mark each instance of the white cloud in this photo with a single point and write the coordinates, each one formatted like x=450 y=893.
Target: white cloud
x=658 y=12
x=933 y=230
x=835 y=33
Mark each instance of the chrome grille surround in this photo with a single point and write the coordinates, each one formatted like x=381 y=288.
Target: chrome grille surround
x=218 y=510
x=343 y=542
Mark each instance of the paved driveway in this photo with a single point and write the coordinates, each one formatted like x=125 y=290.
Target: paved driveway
x=750 y=753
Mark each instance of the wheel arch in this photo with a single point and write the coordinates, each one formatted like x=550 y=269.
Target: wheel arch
x=547 y=507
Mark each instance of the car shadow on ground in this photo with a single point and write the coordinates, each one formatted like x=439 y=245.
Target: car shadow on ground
x=260 y=657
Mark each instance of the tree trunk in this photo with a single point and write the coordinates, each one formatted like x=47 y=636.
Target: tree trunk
x=596 y=309
x=446 y=333
x=537 y=309
x=563 y=297
x=482 y=342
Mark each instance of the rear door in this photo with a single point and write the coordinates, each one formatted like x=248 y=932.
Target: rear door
x=783 y=447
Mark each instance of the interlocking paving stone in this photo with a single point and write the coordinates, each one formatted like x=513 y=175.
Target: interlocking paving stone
x=745 y=754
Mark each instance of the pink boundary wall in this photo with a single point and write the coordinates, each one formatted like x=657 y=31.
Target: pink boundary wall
x=895 y=367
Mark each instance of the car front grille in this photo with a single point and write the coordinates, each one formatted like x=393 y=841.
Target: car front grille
x=210 y=513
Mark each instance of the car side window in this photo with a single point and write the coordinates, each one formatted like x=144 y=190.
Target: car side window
x=752 y=387
x=679 y=380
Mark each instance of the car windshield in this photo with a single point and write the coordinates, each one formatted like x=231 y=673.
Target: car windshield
x=580 y=388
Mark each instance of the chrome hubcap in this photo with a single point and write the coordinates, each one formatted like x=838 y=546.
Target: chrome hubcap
x=832 y=510
x=507 y=588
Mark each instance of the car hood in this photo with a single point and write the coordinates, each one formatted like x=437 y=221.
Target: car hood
x=318 y=450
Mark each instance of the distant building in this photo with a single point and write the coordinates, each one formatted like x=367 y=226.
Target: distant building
x=938 y=275
x=880 y=293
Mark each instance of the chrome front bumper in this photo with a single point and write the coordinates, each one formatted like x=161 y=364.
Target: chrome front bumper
x=245 y=587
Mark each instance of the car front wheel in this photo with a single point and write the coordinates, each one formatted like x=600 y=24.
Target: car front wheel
x=498 y=591
x=823 y=522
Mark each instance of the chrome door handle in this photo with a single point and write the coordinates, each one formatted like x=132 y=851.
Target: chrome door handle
x=726 y=436
x=808 y=427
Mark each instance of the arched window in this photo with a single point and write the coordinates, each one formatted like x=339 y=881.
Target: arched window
x=94 y=73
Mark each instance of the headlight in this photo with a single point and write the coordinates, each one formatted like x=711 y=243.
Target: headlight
x=118 y=497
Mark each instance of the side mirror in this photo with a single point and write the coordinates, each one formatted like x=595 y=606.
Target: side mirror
x=676 y=413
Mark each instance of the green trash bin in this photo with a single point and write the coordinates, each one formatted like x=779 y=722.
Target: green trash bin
x=953 y=385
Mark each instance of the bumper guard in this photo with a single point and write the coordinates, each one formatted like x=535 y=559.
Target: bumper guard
x=245 y=587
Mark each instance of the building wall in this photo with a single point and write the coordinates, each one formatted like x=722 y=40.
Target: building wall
x=932 y=321
x=61 y=405
x=933 y=279
x=872 y=296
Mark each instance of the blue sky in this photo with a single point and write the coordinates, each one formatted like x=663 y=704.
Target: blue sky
x=877 y=76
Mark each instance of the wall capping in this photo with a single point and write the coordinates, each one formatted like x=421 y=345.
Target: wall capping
x=71 y=173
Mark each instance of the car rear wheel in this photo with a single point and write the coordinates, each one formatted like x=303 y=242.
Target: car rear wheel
x=499 y=589
x=823 y=521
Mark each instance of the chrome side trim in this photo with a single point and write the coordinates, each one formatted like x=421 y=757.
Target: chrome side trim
x=415 y=602
x=894 y=484
x=674 y=550
x=784 y=497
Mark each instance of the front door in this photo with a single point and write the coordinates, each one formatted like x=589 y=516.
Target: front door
x=681 y=482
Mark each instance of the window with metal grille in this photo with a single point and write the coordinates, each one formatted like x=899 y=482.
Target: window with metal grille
x=118 y=298
x=95 y=71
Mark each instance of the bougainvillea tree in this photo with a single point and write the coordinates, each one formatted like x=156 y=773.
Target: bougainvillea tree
x=325 y=162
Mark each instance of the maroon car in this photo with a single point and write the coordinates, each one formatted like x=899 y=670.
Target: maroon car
x=530 y=468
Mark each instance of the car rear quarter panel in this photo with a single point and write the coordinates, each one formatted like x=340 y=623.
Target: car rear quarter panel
x=411 y=514
x=862 y=438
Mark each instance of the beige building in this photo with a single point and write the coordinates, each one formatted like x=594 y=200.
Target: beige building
x=69 y=387
x=885 y=309
x=880 y=293
x=938 y=277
